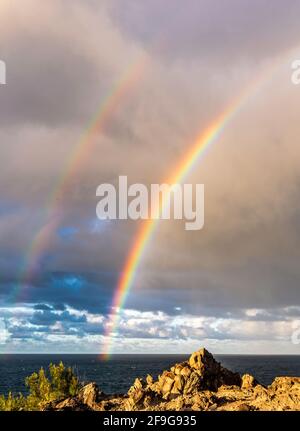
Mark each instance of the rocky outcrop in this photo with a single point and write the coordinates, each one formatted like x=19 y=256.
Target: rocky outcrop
x=200 y=373
x=73 y=404
x=200 y=383
x=248 y=382
x=90 y=395
x=88 y=398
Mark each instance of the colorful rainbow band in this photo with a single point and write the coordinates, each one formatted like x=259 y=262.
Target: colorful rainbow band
x=144 y=234
x=78 y=158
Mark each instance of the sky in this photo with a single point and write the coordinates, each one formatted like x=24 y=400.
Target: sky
x=233 y=286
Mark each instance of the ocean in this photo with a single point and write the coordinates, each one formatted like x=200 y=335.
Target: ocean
x=117 y=374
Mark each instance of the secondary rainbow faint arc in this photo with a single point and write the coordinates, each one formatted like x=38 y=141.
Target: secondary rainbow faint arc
x=78 y=157
x=202 y=142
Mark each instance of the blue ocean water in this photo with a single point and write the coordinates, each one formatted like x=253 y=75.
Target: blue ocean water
x=117 y=374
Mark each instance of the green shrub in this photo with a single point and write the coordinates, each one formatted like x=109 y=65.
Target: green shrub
x=60 y=383
x=12 y=403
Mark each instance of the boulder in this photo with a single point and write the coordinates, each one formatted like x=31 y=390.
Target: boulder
x=90 y=395
x=248 y=382
x=166 y=382
x=179 y=383
x=136 y=394
x=285 y=384
x=211 y=374
x=185 y=371
x=73 y=404
x=149 y=380
x=243 y=407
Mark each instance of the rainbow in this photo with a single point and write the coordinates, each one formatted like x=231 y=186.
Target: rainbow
x=78 y=158
x=201 y=144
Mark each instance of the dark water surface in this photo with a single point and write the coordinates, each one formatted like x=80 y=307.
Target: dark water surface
x=117 y=374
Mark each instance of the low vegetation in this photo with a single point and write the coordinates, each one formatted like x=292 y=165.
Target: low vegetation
x=59 y=382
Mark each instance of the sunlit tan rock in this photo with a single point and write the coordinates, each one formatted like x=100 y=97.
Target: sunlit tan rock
x=201 y=383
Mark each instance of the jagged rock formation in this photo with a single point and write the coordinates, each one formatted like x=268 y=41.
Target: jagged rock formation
x=201 y=372
x=200 y=383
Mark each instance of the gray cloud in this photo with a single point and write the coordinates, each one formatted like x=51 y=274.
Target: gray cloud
x=225 y=32
x=41 y=330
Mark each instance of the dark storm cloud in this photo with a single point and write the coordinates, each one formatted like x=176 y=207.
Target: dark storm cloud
x=47 y=317
x=88 y=291
x=43 y=307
